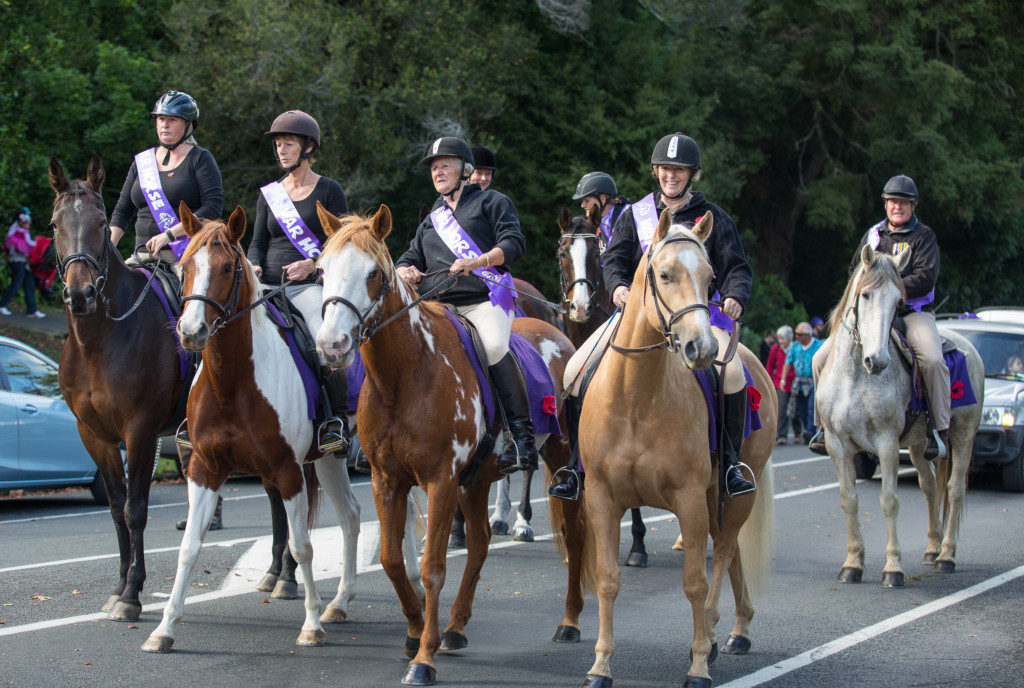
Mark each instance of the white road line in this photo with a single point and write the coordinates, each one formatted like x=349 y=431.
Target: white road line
x=786 y=666
x=796 y=462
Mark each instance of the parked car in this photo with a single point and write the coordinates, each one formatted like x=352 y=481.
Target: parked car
x=998 y=335
x=39 y=442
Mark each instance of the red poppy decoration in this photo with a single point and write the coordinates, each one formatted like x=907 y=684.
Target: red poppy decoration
x=753 y=398
x=956 y=390
x=548 y=405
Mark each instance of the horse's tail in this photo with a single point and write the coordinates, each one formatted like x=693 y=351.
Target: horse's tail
x=312 y=494
x=756 y=537
x=419 y=523
x=588 y=553
x=943 y=469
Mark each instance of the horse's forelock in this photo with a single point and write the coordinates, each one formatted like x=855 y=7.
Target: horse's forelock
x=356 y=229
x=881 y=271
x=685 y=230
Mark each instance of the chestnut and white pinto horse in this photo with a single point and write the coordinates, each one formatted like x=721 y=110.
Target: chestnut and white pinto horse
x=862 y=396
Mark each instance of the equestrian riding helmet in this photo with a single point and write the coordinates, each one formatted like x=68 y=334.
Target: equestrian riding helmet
x=483 y=158
x=176 y=104
x=298 y=123
x=448 y=146
x=901 y=186
x=676 y=149
x=594 y=184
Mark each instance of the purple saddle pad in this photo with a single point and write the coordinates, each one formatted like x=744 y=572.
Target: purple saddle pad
x=309 y=381
x=184 y=357
x=751 y=423
x=961 y=391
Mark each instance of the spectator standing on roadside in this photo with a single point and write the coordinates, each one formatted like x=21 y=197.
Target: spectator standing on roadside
x=19 y=244
x=768 y=340
x=799 y=359
x=783 y=385
x=818 y=328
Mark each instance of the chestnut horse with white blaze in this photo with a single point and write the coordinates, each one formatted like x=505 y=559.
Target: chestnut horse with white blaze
x=421 y=418
x=644 y=442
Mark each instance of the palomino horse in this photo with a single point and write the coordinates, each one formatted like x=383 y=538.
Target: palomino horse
x=247 y=411
x=644 y=441
x=121 y=378
x=421 y=420
x=589 y=306
x=862 y=396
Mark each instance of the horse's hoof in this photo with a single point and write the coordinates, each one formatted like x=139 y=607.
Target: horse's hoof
x=736 y=645
x=929 y=558
x=109 y=604
x=420 y=675
x=566 y=634
x=452 y=641
x=851 y=575
x=158 y=643
x=597 y=681
x=678 y=544
x=311 y=638
x=455 y=540
x=944 y=566
x=712 y=656
x=697 y=682
x=499 y=528
x=638 y=559
x=333 y=615
x=124 y=611
x=892 y=579
x=285 y=590
x=412 y=646
x=523 y=534
x=267 y=583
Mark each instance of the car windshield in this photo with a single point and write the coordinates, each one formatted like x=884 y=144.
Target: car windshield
x=1002 y=352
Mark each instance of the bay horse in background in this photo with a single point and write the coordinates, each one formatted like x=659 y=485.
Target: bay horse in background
x=862 y=396
x=644 y=440
x=588 y=306
x=421 y=421
x=248 y=411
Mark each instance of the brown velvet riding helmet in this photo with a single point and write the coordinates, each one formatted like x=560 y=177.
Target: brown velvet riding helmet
x=298 y=123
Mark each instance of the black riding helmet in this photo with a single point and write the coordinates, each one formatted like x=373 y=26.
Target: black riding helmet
x=677 y=149
x=595 y=184
x=901 y=186
x=177 y=104
x=451 y=147
x=297 y=123
x=483 y=158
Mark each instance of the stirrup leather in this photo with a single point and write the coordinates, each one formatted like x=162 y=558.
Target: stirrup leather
x=330 y=437
x=571 y=472
x=736 y=467
x=181 y=437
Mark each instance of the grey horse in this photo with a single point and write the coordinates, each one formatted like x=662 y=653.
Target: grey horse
x=862 y=397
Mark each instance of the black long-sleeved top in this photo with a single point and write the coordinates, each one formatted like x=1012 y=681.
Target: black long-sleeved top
x=922 y=272
x=196 y=180
x=490 y=219
x=271 y=248
x=733 y=277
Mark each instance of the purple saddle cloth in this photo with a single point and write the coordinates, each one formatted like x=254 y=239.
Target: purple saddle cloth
x=751 y=423
x=184 y=357
x=961 y=391
x=309 y=381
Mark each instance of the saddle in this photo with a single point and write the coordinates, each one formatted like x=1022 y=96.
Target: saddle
x=898 y=335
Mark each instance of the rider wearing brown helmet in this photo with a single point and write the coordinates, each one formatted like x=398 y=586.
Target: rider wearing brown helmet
x=478 y=231
x=676 y=164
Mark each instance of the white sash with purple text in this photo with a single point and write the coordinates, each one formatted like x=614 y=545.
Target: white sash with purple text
x=645 y=215
x=161 y=209
x=462 y=245
x=287 y=216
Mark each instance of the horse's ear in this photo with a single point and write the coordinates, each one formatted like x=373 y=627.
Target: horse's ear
x=704 y=226
x=95 y=173
x=55 y=173
x=903 y=259
x=328 y=221
x=381 y=223
x=236 y=225
x=664 y=222
x=867 y=255
x=564 y=219
x=189 y=222
x=594 y=217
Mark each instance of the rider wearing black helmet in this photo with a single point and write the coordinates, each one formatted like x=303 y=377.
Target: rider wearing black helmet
x=902 y=230
x=186 y=173
x=675 y=163
x=598 y=189
x=476 y=231
x=278 y=254
x=484 y=166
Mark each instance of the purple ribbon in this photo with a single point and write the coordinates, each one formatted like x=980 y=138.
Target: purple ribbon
x=463 y=246
x=916 y=303
x=159 y=207
x=287 y=216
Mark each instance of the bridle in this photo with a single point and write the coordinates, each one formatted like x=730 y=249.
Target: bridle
x=99 y=267
x=367 y=329
x=224 y=310
x=568 y=286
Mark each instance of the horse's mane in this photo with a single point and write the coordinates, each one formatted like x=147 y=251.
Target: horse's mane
x=214 y=234
x=882 y=270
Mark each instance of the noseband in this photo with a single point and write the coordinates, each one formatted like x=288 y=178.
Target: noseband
x=226 y=308
x=366 y=330
x=567 y=286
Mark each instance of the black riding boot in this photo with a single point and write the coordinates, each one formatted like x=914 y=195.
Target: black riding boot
x=567 y=481
x=510 y=388
x=332 y=435
x=735 y=417
x=817 y=443
x=215 y=524
x=357 y=458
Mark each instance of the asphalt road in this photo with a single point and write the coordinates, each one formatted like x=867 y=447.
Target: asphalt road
x=58 y=563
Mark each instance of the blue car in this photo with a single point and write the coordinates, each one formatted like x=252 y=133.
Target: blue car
x=39 y=442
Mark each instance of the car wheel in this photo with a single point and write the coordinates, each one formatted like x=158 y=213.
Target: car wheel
x=1013 y=473
x=864 y=465
x=99 y=491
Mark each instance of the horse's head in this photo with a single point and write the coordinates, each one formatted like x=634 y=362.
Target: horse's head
x=213 y=274
x=677 y=276
x=80 y=235
x=870 y=302
x=579 y=266
x=358 y=277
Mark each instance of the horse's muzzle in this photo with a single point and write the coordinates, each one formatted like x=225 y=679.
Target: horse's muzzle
x=336 y=351
x=700 y=352
x=875 y=364
x=194 y=341
x=579 y=314
x=81 y=301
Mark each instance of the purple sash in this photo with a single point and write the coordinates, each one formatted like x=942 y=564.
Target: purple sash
x=921 y=301
x=287 y=216
x=463 y=246
x=606 y=224
x=645 y=215
x=156 y=199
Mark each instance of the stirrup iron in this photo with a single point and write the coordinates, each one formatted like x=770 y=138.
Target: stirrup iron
x=330 y=437
x=571 y=472
x=736 y=467
x=181 y=437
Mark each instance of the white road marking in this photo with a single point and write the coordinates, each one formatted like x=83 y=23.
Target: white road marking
x=796 y=462
x=106 y=512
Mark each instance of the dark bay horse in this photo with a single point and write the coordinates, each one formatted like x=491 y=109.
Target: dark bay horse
x=421 y=420
x=121 y=379
x=589 y=305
